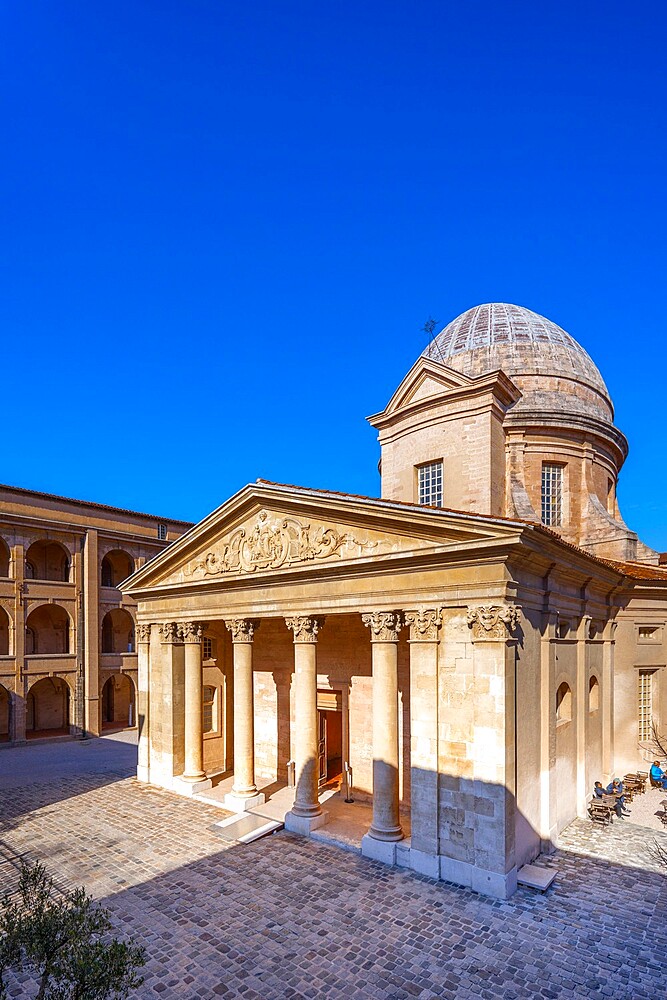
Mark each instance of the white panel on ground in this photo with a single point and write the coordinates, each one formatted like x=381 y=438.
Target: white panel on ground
x=535 y=877
x=244 y=827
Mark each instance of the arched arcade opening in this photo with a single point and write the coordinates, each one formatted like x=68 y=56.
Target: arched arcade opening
x=118 y=632
x=116 y=567
x=48 y=708
x=118 y=703
x=47 y=631
x=46 y=560
x=5 y=703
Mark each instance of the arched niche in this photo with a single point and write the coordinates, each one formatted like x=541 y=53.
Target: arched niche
x=118 y=632
x=48 y=631
x=116 y=566
x=47 y=560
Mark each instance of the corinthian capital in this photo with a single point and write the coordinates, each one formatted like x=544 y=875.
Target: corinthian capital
x=242 y=629
x=143 y=632
x=305 y=629
x=384 y=625
x=493 y=621
x=168 y=632
x=424 y=624
x=191 y=631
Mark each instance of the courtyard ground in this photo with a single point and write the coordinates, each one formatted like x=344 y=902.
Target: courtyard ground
x=286 y=917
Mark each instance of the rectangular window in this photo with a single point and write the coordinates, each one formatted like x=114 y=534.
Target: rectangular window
x=207 y=648
x=552 y=494
x=162 y=532
x=208 y=706
x=430 y=484
x=645 y=704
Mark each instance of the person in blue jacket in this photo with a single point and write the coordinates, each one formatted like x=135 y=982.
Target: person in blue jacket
x=658 y=776
x=615 y=787
x=599 y=791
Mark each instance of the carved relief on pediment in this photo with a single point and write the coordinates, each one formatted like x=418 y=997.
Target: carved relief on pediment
x=273 y=543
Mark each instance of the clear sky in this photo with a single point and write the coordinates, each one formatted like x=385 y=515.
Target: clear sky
x=225 y=224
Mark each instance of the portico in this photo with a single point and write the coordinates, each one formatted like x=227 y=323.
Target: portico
x=299 y=601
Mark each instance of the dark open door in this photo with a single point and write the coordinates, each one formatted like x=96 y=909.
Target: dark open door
x=322 y=749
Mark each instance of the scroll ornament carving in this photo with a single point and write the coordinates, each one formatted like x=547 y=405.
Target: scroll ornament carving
x=305 y=629
x=190 y=631
x=493 y=621
x=242 y=629
x=274 y=543
x=168 y=632
x=384 y=625
x=424 y=624
x=143 y=633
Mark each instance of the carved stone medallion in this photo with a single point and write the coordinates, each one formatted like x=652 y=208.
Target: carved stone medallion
x=272 y=544
x=493 y=621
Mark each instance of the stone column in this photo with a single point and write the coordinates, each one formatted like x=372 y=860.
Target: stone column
x=385 y=831
x=143 y=701
x=244 y=792
x=424 y=642
x=306 y=813
x=581 y=710
x=18 y=716
x=191 y=633
x=90 y=587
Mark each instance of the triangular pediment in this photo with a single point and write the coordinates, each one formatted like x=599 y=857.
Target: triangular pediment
x=427 y=378
x=429 y=382
x=268 y=528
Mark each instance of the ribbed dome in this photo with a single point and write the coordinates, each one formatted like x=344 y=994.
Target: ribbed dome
x=524 y=345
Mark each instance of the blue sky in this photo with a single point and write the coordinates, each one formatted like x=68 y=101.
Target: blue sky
x=224 y=226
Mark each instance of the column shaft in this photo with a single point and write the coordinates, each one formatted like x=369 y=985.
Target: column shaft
x=305 y=667
x=194 y=745
x=386 y=823
x=244 y=722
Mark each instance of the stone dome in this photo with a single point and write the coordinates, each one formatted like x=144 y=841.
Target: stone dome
x=544 y=361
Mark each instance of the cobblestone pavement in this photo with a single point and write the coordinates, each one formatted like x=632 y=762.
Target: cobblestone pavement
x=286 y=917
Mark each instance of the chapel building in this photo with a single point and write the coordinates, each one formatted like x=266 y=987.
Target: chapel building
x=479 y=644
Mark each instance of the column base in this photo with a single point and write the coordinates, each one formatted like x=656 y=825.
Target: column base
x=379 y=850
x=387 y=836
x=241 y=803
x=479 y=879
x=304 y=824
x=186 y=786
x=143 y=773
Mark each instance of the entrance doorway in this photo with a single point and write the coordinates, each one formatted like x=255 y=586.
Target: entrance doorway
x=330 y=736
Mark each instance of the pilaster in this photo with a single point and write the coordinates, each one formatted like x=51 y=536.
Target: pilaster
x=90 y=592
x=424 y=625
x=143 y=638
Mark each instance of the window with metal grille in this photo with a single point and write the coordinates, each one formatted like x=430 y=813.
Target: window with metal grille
x=162 y=532
x=207 y=648
x=645 y=704
x=208 y=708
x=430 y=484
x=552 y=494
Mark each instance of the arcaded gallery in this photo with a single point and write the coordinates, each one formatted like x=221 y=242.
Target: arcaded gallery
x=476 y=647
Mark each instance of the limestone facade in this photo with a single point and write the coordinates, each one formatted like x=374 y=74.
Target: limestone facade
x=68 y=659
x=477 y=669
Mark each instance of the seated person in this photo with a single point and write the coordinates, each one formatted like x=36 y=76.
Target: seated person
x=657 y=776
x=599 y=792
x=615 y=787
